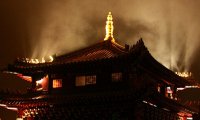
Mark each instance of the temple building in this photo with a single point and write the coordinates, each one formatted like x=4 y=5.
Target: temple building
x=104 y=81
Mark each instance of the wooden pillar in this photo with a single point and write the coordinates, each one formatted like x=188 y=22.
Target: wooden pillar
x=162 y=89
x=175 y=93
x=33 y=84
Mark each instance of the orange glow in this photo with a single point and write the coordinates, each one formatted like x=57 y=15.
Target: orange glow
x=42 y=84
x=26 y=78
x=57 y=83
x=184 y=116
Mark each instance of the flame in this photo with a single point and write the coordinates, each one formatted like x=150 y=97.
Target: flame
x=39 y=81
x=51 y=59
x=184 y=74
x=42 y=84
x=36 y=61
x=43 y=60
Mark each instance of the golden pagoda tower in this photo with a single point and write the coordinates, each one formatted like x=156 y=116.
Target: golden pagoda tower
x=109 y=28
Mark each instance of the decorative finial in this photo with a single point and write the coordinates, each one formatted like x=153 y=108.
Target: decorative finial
x=109 y=28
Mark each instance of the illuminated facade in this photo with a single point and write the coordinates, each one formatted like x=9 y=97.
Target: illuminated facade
x=102 y=81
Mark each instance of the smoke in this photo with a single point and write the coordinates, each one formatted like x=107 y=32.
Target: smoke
x=170 y=29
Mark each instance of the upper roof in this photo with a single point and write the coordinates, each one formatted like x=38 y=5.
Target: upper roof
x=102 y=50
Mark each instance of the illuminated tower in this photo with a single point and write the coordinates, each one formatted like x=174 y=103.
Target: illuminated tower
x=109 y=28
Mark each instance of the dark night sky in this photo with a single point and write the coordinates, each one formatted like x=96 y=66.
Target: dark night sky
x=35 y=28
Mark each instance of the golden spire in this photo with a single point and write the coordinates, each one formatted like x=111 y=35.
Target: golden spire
x=109 y=28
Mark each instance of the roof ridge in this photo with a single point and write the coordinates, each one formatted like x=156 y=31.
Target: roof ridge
x=111 y=46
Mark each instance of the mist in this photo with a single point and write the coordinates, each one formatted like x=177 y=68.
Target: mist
x=170 y=29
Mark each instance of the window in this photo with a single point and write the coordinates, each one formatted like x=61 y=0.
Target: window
x=85 y=80
x=116 y=77
x=90 y=79
x=80 y=81
x=57 y=83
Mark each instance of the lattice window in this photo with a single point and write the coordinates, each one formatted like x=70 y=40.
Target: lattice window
x=80 y=81
x=85 y=80
x=90 y=79
x=116 y=77
x=57 y=83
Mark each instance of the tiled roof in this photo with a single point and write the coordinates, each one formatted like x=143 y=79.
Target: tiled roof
x=100 y=54
x=105 y=49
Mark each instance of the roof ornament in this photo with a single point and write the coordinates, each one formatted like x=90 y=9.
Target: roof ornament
x=109 y=28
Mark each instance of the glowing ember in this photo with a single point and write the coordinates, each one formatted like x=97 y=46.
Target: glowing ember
x=184 y=74
x=36 y=61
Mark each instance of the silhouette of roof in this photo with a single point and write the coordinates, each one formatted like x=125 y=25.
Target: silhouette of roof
x=108 y=51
